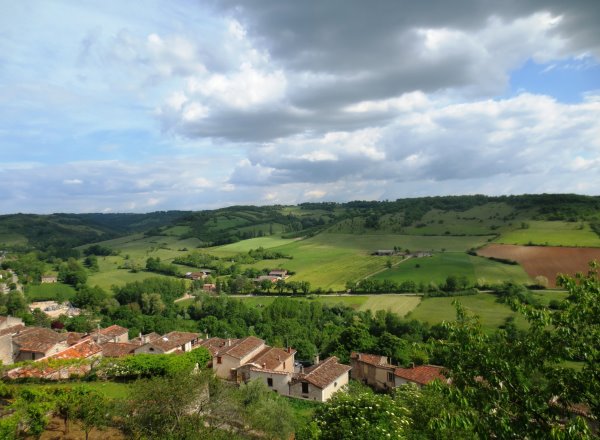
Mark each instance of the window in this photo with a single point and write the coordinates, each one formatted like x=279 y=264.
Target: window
x=390 y=377
x=304 y=387
x=219 y=359
x=270 y=381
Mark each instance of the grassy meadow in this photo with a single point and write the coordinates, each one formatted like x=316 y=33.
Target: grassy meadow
x=49 y=292
x=439 y=266
x=554 y=233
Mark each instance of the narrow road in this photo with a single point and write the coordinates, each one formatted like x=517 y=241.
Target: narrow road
x=386 y=268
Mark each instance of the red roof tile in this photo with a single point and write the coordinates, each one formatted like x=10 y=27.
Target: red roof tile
x=243 y=347
x=118 y=349
x=372 y=359
x=174 y=339
x=271 y=357
x=421 y=374
x=324 y=373
x=81 y=350
x=38 y=340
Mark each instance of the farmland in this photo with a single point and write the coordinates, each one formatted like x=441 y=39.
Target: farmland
x=485 y=305
x=436 y=268
x=555 y=233
x=545 y=260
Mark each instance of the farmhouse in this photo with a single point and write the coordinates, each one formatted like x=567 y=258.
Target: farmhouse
x=279 y=273
x=373 y=370
x=320 y=381
x=384 y=252
x=419 y=375
x=49 y=279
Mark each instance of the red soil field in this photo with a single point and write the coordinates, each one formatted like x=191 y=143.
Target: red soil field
x=548 y=261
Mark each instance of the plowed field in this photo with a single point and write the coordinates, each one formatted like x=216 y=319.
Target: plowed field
x=548 y=261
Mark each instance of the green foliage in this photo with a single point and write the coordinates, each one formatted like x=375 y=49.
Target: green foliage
x=511 y=385
x=151 y=365
x=168 y=289
x=364 y=416
x=72 y=272
x=155 y=265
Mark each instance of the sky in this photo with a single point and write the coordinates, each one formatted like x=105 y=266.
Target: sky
x=119 y=106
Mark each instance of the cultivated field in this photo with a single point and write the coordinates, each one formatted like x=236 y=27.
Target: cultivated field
x=437 y=268
x=553 y=233
x=545 y=260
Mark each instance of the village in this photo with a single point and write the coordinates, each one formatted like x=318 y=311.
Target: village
x=233 y=360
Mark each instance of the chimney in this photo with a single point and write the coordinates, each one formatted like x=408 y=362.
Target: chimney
x=412 y=365
x=316 y=359
x=289 y=349
x=229 y=342
x=264 y=366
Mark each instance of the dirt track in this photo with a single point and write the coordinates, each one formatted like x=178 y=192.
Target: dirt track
x=548 y=261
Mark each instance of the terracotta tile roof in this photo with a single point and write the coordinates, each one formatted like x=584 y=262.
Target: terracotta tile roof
x=81 y=350
x=12 y=330
x=74 y=337
x=144 y=339
x=372 y=359
x=243 y=347
x=118 y=349
x=112 y=331
x=266 y=370
x=324 y=373
x=216 y=345
x=271 y=357
x=38 y=340
x=421 y=374
x=174 y=339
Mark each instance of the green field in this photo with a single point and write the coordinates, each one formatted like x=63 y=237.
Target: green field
x=437 y=268
x=329 y=260
x=435 y=310
x=400 y=304
x=553 y=233
x=110 y=274
x=246 y=245
x=49 y=292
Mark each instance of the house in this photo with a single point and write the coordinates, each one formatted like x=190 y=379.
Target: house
x=49 y=279
x=9 y=326
x=384 y=252
x=320 y=381
x=209 y=287
x=170 y=343
x=279 y=273
x=419 y=375
x=118 y=349
x=144 y=339
x=33 y=343
x=113 y=333
x=235 y=354
x=373 y=370
x=265 y=277
x=273 y=366
x=87 y=348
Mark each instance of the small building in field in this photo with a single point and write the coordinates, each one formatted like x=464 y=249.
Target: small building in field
x=49 y=279
x=279 y=273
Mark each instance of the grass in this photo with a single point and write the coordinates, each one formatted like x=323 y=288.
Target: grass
x=437 y=268
x=303 y=410
x=552 y=233
x=110 y=274
x=245 y=245
x=50 y=292
x=492 y=313
x=329 y=260
x=400 y=304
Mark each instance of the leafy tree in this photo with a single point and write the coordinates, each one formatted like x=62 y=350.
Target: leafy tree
x=72 y=273
x=508 y=385
x=364 y=416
